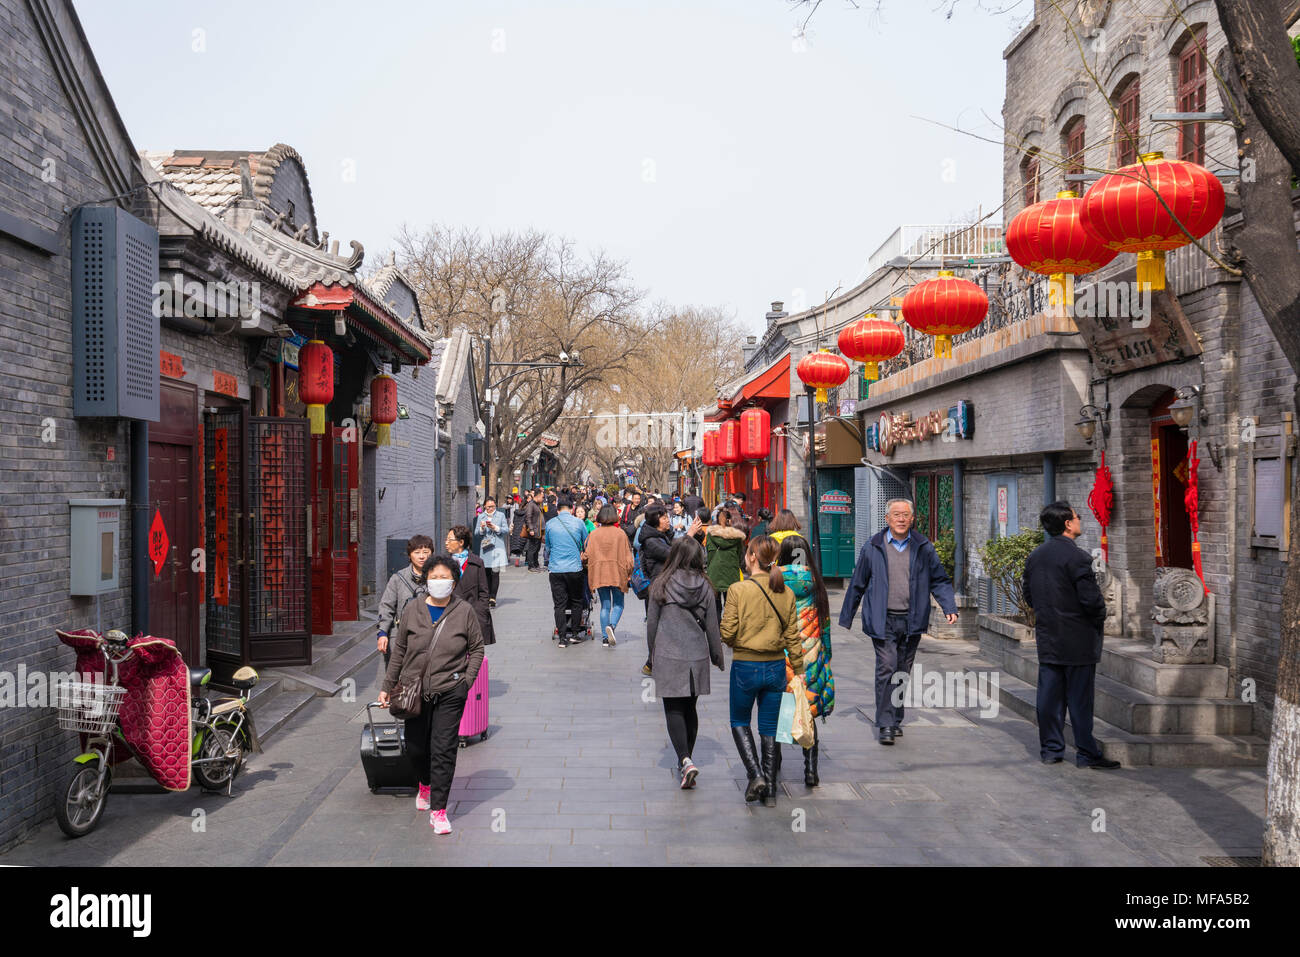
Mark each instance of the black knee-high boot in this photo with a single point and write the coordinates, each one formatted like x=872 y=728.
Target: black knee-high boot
x=810 y=778
x=770 y=751
x=757 y=787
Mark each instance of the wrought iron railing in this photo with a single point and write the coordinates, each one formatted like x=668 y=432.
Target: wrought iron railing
x=940 y=240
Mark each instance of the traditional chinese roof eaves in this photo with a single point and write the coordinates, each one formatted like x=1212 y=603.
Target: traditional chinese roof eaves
x=217 y=233
x=353 y=300
x=309 y=264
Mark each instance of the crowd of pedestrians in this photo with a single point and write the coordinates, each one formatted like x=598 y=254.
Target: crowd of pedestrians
x=709 y=578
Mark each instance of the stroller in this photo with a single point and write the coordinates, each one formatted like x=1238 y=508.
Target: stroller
x=586 y=616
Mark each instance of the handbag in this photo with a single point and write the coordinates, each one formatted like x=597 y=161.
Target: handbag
x=801 y=729
x=785 y=721
x=639 y=583
x=406 y=700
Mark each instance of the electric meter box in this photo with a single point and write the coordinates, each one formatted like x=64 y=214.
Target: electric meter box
x=96 y=544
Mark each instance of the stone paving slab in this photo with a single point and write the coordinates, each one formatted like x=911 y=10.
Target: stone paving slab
x=577 y=770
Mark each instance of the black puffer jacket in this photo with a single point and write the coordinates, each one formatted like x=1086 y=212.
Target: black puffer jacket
x=654 y=551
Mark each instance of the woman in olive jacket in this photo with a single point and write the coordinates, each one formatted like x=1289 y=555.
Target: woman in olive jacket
x=682 y=632
x=473 y=584
x=438 y=643
x=761 y=627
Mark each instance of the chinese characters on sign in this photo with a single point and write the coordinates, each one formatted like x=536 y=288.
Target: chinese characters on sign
x=171 y=365
x=1155 y=493
x=221 y=533
x=836 y=502
x=158 y=543
x=225 y=383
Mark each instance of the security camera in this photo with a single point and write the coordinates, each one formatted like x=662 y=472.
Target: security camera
x=564 y=356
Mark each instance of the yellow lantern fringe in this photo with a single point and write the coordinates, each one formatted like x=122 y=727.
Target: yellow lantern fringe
x=316 y=416
x=1151 y=269
x=383 y=435
x=870 y=371
x=942 y=347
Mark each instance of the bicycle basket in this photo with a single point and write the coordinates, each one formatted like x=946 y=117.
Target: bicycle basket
x=87 y=706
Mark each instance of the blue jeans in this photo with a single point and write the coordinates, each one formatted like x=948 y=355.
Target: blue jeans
x=761 y=680
x=611 y=606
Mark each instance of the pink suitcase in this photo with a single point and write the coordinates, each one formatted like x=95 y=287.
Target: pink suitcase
x=475 y=719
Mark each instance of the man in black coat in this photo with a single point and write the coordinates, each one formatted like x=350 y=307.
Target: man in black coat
x=1069 y=612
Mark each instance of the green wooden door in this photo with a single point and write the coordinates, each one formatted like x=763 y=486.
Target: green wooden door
x=836 y=529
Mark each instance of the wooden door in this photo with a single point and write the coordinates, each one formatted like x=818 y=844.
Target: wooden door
x=320 y=544
x=836 y=531
x=345 y=521
x=1173 y=529
x=173 y=598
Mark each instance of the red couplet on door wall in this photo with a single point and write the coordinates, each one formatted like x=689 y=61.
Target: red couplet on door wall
x=158 y=542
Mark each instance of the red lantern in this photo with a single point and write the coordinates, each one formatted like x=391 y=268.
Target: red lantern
x=869 y=341
x=1048 y=238
x=945 y=307
x=822 y=370
x=316 y=382
x=383 y=405
x=729 y=442
x=710 y=456
x=1124 y=210
x=755 y=434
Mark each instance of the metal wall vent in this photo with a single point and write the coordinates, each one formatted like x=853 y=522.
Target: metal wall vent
x=115 y=333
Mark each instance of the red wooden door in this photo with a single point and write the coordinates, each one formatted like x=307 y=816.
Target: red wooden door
x=319 y=529
x=1169 y=485
x=345 y=521
x=173 y=592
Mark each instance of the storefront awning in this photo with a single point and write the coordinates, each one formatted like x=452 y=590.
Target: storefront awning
x=771 y=383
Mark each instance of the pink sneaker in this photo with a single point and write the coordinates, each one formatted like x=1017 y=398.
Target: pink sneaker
x=438 y=820
x=422 y=799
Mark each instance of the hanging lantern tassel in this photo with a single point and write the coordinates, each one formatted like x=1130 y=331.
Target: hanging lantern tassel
x=871 y=371
x=943 y=347
x=1060 y=289
x=821 y=396
x=316 y=416
x=1151 y=269
x=383 y=434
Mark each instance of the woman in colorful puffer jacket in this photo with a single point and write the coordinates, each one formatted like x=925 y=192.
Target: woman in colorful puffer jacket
x=812 y=608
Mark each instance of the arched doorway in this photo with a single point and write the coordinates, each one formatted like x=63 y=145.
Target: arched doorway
x=1173 y=530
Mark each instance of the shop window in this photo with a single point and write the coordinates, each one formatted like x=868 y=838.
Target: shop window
x=1029 y=169
x=1073 y=137
x=1190 y=64
x=1270 y=490
x=932 y=493
x=1128 y=102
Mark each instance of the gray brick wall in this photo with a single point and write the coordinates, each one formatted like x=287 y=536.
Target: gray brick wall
x=37 y=478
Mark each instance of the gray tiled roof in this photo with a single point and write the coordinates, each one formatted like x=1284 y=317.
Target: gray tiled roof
x=212 y=183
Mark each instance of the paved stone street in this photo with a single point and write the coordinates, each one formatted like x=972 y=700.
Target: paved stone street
x=577 y=770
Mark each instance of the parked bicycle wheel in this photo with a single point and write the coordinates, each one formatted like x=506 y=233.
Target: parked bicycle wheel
x=80 y=801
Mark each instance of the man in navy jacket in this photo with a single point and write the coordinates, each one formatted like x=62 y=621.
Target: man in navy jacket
x=1069 y=617
x=897 y=572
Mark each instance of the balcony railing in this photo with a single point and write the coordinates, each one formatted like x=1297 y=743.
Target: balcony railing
x=1010 y=301
x=945 y=240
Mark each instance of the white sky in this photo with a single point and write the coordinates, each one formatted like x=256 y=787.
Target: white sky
x=688 y=137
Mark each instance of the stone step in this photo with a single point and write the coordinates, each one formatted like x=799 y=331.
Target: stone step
x=1154 y=750
x=276 y=712
x=346 y=635
x=1138 y=712
x=349 y=663
x=1131 y=663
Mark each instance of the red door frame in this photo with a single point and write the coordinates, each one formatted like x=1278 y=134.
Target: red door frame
x=346 y=521
x=1175 y=530
x=319 y=534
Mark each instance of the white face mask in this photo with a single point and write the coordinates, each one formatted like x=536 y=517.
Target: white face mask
x=441 y=587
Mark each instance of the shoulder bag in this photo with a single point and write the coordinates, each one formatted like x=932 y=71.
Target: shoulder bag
x=406 y=700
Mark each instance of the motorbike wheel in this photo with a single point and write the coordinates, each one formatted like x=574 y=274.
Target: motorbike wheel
x=80 y=802
x=218 y=775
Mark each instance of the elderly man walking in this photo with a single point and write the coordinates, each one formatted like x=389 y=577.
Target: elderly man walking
x=1069 y=615
x=897 y=572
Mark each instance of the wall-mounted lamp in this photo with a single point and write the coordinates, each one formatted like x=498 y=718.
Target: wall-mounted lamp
x=340 y=326
x=1089 y=417
x=403 y=412
x=1188 y=406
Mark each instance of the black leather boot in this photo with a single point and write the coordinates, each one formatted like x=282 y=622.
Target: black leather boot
x=770 y=751
x=744 y=739
x=810 y=763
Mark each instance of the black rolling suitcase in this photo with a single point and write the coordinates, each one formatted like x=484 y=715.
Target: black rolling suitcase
x=383 y=755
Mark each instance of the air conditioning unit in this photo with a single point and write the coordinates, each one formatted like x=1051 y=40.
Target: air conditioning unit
x=114 y=329
x=464 y=467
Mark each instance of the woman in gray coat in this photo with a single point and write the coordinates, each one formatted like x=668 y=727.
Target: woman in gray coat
x=682 y=633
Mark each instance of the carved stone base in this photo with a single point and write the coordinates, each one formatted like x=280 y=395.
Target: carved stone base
x=1185 y=644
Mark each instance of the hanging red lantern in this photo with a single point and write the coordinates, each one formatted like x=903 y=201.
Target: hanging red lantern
x=316 y=382
x=755 y=433
x=1126 y=210
x=945 y=307
x=383 y=406
x=871 y=341
x=729 y=442
x=822 y=370
x=710 y=456
x=1048 y=238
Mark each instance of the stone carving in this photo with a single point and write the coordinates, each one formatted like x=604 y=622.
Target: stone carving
x=1184 y=618
x=1112 y=590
